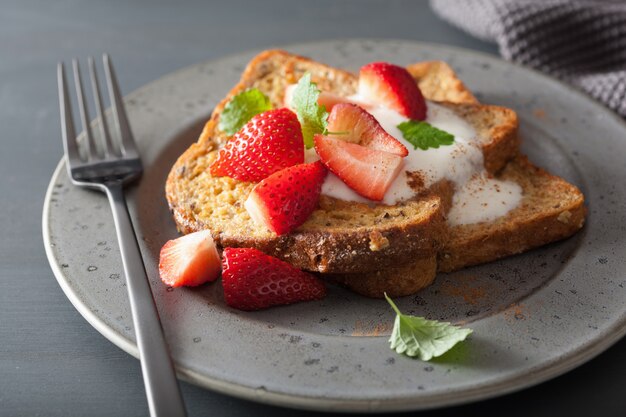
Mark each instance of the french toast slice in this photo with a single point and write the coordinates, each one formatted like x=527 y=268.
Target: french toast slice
x=338 y=237
x=551 y=209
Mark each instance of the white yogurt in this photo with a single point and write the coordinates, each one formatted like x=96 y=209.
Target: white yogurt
x=483 y=199
x=477 y=198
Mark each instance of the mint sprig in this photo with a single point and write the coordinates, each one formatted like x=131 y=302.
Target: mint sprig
x=425 y=339
x=313 y=118
x=241 y=108
x=423 y=135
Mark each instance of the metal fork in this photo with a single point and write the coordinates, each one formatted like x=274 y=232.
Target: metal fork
x=108 y=171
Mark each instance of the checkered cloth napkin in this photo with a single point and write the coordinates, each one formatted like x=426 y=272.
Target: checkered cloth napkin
x=582 y=42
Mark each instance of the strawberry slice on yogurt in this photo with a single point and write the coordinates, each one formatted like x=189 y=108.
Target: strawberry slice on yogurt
x=352 y=123
x=367 y=171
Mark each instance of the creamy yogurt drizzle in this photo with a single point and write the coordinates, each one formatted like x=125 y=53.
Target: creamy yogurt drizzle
x=477 y=197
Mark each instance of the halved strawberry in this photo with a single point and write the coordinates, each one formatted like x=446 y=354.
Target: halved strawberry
x=269 y=142
x=189 y=260
x=326 y=99
x=253 y=280
x=367 y=171
x=393 y=87
x=286 y=199
x=362 y=128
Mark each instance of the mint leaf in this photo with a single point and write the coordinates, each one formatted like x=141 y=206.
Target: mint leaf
x=423 y=135
x=241 y=108
x=426 y=339
x=312 y=116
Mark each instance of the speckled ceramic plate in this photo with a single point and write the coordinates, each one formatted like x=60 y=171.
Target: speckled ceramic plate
x=534 y=316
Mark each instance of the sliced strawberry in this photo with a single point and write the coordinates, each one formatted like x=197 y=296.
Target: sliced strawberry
x=189 y=260
x=286 y=199
x=269 y=142
x=367 y=171
x=393 y=87
x=328 y=100
x=362 y=128
x=253 y=280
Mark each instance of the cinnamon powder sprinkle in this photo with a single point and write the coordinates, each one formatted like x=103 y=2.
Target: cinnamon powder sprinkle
x=464 y=286
x=362 y=329
x=516 y=311
x=415 y=180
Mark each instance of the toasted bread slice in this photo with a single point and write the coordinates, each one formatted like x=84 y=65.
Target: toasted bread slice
x=337 y=236
x=551 y=209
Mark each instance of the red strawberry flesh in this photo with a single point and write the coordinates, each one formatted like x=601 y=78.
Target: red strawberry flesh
x=269 y=142
x=367 y=171
x=356 y=125
x=393 y=87
x=286 y=199
x=253 y=280
x=189 y=260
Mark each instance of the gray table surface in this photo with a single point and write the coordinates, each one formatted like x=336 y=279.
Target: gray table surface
x=52 y=362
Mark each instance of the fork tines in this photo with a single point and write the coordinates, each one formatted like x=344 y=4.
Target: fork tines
x=125 y=148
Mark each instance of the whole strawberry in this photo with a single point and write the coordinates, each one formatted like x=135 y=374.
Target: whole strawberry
x=253 y=280
x=269 y=142
x=393 y=87
x=286 y=199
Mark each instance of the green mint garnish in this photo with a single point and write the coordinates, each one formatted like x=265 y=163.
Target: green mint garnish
x=312 y=116
x=241 y=108
x=426 y=339
x=423 y=135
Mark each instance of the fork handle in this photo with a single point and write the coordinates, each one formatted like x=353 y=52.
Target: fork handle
x=162 y=390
